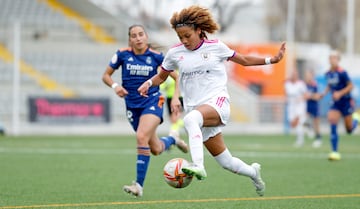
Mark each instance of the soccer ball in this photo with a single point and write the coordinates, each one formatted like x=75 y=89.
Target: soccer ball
x=173 y=174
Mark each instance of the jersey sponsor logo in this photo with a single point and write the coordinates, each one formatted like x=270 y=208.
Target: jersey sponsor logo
x=333 y=80
x=193 y=74
x=137 y=69
x=114 y=59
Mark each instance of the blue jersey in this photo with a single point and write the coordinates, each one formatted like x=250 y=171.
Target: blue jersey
x=312 y=105
x=136 y=69
x=337 y=80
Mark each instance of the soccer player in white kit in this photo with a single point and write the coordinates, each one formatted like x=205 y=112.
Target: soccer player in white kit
x=203 y=83
x=296 y=93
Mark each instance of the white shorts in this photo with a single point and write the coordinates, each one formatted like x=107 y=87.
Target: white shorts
x=222 y=106
x=296 y=111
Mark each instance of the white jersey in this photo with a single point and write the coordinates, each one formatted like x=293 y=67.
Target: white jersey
x=202 y=71
x=295 y=92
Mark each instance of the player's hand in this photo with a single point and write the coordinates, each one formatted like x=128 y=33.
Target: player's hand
x=121 y=91
x=336 y=96
x=175 y=105
x=280 y=54
x=143 y=89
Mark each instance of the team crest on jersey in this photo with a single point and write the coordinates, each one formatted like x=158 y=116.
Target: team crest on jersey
x=148 y=60
x=205 y=55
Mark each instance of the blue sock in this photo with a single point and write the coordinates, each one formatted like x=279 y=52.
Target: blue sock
x=354 y=125
x=334 y=138
x=168 y=141
x=142 y=163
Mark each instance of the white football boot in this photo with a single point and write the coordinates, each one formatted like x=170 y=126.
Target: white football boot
x=257 y=181
x=134 y=189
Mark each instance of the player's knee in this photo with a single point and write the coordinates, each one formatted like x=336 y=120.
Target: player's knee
x=193 y=118
x=156 y=151
x=142 y=138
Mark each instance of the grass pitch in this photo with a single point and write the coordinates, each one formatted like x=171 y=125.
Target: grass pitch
x=89 y=172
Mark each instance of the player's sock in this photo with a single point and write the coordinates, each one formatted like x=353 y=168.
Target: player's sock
x=193 y=121
x=354 y=125
x=300 y=134
x=233 y=164
x=334 y=138
x=318 y=136
x=167 y=141
x=142 y=163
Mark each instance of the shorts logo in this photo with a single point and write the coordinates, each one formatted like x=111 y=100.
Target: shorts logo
x=129 y=115
x=152 y=108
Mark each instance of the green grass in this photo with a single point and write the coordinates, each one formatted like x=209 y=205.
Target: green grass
x=89 y=172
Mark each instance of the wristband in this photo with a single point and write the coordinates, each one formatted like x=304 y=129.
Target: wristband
x=149 y=82
x=268 y=60
x=114 y=85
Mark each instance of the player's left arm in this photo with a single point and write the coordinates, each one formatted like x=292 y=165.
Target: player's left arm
x=346 y=90
x=247 y=60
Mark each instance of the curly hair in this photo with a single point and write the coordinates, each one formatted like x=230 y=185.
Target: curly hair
x=196 y=17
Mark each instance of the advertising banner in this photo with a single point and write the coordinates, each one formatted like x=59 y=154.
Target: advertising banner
x=53 y=110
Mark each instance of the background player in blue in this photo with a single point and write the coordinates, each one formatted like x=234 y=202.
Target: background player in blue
x=340 y=86
x=312 y=107
x=139 y=63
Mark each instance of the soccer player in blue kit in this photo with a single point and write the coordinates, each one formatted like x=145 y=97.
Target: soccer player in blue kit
x=340 y=86
x=312 y=107
x=138 y=64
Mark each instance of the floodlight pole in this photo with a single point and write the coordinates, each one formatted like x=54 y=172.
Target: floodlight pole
x=350 y=27
x=16 y=80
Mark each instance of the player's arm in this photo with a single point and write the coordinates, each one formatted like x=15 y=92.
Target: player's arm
x=106 y=78
x=156 y=80
x=346 y=90
x=326 y=91
x=247 y=60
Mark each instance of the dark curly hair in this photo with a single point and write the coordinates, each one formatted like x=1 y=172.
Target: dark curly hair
x=196 y=17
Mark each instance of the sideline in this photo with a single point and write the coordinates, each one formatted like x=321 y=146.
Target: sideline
x=325 y=196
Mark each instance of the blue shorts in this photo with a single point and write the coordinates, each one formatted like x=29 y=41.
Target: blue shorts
x=345 y=107
x=313 y=111
x=154 y=106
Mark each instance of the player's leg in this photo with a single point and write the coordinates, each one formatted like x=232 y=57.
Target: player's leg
x=222 y=155
x=204 y=115
x=334 y=116
x=144 y=132
x=318 y=140
x=351 y=118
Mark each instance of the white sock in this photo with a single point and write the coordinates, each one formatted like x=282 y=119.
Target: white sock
x=233 y=164
x=300 y=133
x=193 y=121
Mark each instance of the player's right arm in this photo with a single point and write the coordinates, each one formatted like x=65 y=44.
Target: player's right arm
x=326 y=91
x=119 y=90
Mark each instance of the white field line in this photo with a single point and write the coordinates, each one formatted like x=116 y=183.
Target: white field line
x=96 y=151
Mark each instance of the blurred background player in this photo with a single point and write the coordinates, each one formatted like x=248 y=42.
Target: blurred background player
x=168 y=88
x=340 y=86
x=139 y=63
x=203 y=85
x=295 y=90
x=312 y=108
